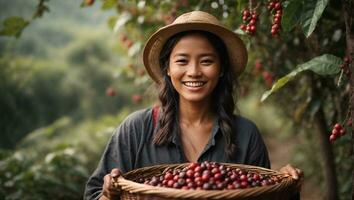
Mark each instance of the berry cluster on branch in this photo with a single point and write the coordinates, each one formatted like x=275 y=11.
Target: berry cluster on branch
x=249 y=18
x=337 y=131
x=275 y=7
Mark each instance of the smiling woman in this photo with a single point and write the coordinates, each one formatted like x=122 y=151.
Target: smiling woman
x=194 y=68
x=195 y=61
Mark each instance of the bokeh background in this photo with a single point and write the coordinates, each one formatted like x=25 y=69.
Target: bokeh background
x=75 y=73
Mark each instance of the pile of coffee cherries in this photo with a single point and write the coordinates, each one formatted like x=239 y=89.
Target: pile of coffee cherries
x=275 y=7
x=337 y=131
x=249 y=18
x=210 y=176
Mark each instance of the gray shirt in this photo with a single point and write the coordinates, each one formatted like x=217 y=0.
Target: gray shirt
x=131 y=147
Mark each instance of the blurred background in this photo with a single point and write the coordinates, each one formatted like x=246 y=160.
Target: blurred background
x=75 y=72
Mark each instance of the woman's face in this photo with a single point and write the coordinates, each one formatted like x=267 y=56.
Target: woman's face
x=194 y=68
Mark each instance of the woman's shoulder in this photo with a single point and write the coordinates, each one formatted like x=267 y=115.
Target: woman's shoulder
x=244 y=123
x=137 y=116
x=136 y=123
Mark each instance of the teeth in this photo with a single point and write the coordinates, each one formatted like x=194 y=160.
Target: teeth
x=193 y=83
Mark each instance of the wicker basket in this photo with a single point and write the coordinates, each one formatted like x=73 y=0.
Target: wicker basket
x=131 y=190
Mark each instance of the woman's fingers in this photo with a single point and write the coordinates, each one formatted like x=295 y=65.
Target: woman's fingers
x=108 y=188
x=115 y=173
x=107 y=181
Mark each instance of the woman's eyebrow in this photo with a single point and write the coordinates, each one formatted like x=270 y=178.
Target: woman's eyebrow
x=180 y=54
x=207 y=54
x=201 y=55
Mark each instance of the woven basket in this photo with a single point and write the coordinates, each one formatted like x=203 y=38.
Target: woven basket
x=131 y=190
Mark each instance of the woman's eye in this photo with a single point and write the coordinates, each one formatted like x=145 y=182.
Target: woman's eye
x=207 y=61
x=181 y=61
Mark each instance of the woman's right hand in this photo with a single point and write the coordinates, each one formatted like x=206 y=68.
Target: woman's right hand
x=109 y=192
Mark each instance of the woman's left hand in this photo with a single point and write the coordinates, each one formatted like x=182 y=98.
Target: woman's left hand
x=292 y=171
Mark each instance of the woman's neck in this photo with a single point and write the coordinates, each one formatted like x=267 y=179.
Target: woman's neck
x=195 y=113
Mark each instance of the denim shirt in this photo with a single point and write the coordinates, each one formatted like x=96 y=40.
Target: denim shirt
x=131 y=147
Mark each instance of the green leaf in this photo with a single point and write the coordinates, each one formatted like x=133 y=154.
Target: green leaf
x=112 y=21
x=291 y=15
x=326 y=64
x=13 y=26
x=108 y=4
x=312 y=11
x=323 y=65
x=276 y=86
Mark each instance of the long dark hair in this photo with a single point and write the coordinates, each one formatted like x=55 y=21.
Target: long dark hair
x=222 y=96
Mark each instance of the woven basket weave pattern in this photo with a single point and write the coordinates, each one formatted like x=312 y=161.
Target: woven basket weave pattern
x=135 y=191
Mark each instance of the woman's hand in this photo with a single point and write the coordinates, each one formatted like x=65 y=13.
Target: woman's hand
x=109 y=192
x=292 y=171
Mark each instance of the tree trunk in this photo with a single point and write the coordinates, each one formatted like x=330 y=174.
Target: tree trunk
x=348 y=10
x=331 y=191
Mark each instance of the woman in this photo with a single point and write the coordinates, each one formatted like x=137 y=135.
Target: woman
x=195 y=61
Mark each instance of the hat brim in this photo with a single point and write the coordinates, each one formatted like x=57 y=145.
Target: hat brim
x=235 y=47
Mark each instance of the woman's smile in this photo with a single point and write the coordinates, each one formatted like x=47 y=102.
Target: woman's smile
x=194 y=84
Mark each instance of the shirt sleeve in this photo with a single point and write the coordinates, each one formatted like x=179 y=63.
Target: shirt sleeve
x=119 y=153
x=257 y=151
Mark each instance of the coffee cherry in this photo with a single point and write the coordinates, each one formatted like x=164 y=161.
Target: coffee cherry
x=337 y=131
x=268 y=77
x=250 y=19
x=206 y=177
x=89 y=2
x=168 y=176
x=136 y=98
x=275 y=7
x=110 y=92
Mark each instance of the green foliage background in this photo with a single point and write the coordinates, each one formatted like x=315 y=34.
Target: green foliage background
x=56 y=117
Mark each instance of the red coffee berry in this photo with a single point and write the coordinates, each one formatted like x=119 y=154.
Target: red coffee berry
x=89 y=2
x=271 y=5
x=205 y=177
x=346 y=60
x=338 y=126
x=335 y=132
x=110 y=92
x=342 y=132
x=190 y=173
x=277 y=6
x=168 y=176
x=230 y=187
x=244 y=184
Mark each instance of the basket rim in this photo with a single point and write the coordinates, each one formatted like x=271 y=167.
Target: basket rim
x=288 y=184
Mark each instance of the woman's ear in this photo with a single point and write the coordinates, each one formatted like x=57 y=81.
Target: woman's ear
x=168 y=71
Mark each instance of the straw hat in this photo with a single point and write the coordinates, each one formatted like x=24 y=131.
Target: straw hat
x=195 y=20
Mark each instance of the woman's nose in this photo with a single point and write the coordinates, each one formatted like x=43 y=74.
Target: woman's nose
x=194 y=69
